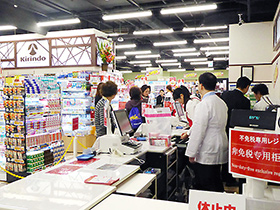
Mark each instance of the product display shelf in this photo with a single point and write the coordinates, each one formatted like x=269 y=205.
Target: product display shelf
x=33 y=124
x=2 y=136
x=76 y=102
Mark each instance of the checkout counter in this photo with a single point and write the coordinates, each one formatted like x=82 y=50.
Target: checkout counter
x=254 y=155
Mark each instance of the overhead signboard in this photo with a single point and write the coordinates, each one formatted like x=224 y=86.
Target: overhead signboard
x=33 y=53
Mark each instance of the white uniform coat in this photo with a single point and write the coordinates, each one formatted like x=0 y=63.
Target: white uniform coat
x=261 y=105
x=208 y=140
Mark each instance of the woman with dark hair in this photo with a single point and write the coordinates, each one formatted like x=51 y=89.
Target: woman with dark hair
x=98 y=94
x=183 y=96
x=146 y=90
x=169 y=93
x=109 y=91
x=134 y=107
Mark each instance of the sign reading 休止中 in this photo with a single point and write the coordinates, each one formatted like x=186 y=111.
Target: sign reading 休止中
x=33 y=53
x=255 y=154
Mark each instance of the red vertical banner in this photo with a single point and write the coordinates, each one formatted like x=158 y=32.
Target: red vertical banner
x=255 y=154
x=75 y=123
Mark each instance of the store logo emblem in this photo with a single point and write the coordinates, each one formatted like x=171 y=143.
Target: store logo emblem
x=33 y=47
x=33 y=51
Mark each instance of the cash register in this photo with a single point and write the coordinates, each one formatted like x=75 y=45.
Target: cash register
x=121 y=143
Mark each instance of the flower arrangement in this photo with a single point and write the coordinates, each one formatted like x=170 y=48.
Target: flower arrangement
x=106 y=53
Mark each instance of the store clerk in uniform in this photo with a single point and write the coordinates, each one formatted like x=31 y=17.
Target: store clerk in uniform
x=208 y=145
x=109 y=91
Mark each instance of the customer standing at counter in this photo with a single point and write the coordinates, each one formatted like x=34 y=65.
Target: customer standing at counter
x=235 y=99
x=98 y=94
x=160 y=98
x=208 y=144
x=146 y=90
x=109 y=91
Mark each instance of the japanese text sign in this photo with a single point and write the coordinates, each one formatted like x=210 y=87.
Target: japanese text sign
x=203 y=200
x=75 y=123
x=255 y=154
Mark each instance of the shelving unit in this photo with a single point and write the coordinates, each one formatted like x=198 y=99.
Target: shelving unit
x=2 y=134
x=33 y=124
x=76 y=102
x=168 y=178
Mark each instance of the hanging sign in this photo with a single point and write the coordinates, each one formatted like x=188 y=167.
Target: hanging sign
x=33 y=53
x=204 y=200
x=139 y=76
x=153 y=71
x=219 y=74
x=190 y=75
x=255 y=154
x=172 y=81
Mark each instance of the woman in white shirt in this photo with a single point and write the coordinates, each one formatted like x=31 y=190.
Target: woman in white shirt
x=261 y=95
x=183 y=96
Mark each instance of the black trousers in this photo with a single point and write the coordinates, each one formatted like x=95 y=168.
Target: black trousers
x=208 y=178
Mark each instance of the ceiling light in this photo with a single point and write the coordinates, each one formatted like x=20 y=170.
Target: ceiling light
x=113 y=34
x=145 y=65
x=187 y=54
x=143 y=71
x=214 y=48
x=170 y=43
x=204 y=28
x=126 y=72
x=203 y=69
x=166 y=61
x=123 y=46
x=195 y=59
x=148 y=56
x=144 y=61
x=217 y=52
x=138 y=52
x=170 y=64
x=197 y=41
x=199 y=63
x=176 y=70
x=7 y=27
x=184 y=50
x=151 y=32
x=120 y=57
x=15 y=5
x=221 y=59
x=59 y=22
x=127 y=15
x=195 y=8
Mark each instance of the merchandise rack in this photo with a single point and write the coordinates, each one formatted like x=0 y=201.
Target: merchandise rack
x=2 y=135
x=33 y=124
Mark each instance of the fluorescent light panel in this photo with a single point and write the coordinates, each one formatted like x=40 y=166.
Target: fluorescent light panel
x=157 y=44
x=137 y=52
x=59 y=22
x=221 y=59
x=128 y=15
x=7 y=27
x=126 y=72
x=197 y=41
x=144 y=61
x=176 y=70
x=120 y=57
x=195 y=8
x=217 y=53
x=204 y=28
x=151 y=32
x=148 y=56
x=143 y=71
x=199 y=63
x=203 y=69
x=187 y=54
x=184 y=50
x=214 y=48
x=170 y=64
x=167 y=61
x=123 y=46
x=145 y=65
x=195 y=59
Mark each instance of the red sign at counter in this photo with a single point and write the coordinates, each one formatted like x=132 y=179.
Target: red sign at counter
x=255 y=154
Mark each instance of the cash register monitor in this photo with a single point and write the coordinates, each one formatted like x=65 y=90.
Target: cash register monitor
x=122 y=122
x=180 y=112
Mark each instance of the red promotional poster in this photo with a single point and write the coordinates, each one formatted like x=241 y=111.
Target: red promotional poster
x=64 y=170
x=255 y=154
x=75 y=123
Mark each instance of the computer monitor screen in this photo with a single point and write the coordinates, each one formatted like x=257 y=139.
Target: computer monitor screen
x=179 y=109
x=122 y=121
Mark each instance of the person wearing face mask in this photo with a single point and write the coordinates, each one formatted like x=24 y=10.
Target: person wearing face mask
x=146 y=90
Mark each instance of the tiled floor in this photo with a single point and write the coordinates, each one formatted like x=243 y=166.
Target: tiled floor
x=3 y=183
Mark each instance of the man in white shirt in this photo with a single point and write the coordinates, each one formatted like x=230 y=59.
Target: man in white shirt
x=208 y=144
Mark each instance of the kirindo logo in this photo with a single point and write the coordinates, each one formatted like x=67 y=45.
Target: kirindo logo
x=32 y=47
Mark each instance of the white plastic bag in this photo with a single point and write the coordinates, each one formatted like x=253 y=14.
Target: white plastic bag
x=158 y=120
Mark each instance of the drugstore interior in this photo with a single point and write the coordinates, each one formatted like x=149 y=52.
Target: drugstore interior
x=49 y=76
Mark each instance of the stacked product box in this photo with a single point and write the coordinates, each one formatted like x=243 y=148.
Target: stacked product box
x=35 y=160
